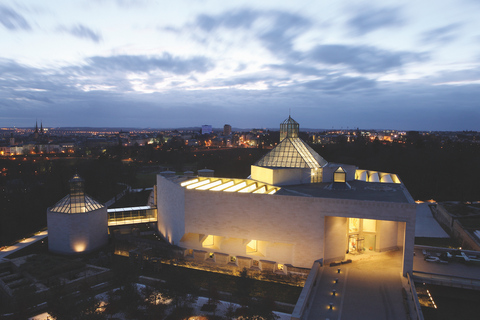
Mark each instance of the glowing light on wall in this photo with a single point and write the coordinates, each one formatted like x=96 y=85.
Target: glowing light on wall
x=209 y=241
x=79 y=246
x=252 y=246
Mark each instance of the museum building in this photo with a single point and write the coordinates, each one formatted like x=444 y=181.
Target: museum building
x=294 y=209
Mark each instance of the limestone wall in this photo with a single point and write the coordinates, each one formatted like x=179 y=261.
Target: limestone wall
x=298 y=221
x=170 y=210
x=335 y=238
x=77 y=233
x=388 y=235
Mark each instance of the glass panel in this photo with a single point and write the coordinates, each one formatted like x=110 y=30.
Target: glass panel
x=353 y=225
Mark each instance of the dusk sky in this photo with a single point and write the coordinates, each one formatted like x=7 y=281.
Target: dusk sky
x=406 y=65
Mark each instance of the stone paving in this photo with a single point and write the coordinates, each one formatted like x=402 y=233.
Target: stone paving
x=368 y=288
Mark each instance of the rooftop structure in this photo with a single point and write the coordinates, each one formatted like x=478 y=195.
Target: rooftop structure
x=77 y=201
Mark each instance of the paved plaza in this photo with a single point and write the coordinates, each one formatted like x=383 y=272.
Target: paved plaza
x=368 y=288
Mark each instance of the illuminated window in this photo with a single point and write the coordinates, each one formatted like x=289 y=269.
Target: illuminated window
x=369 y=225
x=211 y=256
x=339 y=175
x=252 y=246
x=353 y=225
x=233 y=259
x=209 y=241
x=189 y=253
x=280 y=267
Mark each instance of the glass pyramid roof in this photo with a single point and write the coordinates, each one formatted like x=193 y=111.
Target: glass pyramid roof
x=292 y=153
x=76 y=204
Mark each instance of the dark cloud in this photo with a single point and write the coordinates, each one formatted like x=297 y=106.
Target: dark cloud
x=362 y=58
x=340 y=84
x=81 y=31
x=297 y=69
x=369 y=20
x=12 y=20
x=276 y=30
x=61 y=97
x=165 y=62
x=441 y=35
x=231 y=20
x=280 y=35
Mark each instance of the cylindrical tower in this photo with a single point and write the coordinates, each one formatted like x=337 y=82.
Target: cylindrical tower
x=77 y=223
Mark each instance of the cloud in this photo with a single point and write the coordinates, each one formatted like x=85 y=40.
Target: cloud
x=276 y=30
x=362 y=58
x=12 y=20
x=371 y=19
x=81 y=31
x=441 y=35
x=339 y=84
x=140 y=63
x=231 y=20
x=297 y=69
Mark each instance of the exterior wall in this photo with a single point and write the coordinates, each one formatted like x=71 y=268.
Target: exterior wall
x=170 y=210
x=298 y=221
x=281 y=176
x=387 y=234
x=77 y=233
x=335 y=238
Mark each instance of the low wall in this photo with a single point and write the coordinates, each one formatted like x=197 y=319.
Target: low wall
x=413 y=291
x=303 y=301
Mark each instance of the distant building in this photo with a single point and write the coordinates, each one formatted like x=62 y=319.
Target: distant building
x=207 y=129
x=227 y=130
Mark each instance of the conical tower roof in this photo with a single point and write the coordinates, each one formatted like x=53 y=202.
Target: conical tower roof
x=77 y=201
x=291 y=152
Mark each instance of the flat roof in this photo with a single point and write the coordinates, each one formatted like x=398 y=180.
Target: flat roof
x=360 y=190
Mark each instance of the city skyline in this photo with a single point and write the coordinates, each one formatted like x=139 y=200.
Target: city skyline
x=134 y=63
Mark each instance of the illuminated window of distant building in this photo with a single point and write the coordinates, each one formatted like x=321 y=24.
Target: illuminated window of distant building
x=280 y=267
x=209 y=241
x=233 y=259
x=369 y=225
x=189 y=253
x=211 y=255
x=339 y=175
x=252 y=246
x=353 y=225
